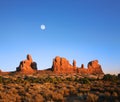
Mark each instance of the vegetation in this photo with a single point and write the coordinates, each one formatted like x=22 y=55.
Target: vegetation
x=109 y=77
x=59 y=88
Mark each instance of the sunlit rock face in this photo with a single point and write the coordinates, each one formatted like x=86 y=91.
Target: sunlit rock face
x=62 y=65
x=27 y=66
x=94 y=67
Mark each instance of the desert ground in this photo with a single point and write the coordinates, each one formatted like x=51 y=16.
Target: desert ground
x=46 y=86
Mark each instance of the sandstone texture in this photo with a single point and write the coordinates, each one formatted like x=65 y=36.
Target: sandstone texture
x=27 y=66
x=94 y=67
x=62 y=65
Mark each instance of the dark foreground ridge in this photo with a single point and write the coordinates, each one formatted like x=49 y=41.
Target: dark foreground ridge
x=60 y=66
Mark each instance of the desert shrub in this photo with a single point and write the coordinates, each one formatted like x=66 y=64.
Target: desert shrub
x=49 y=79
x=19 y=80
x=119 y=76
x=7 y=80
x=66 y=91
x=57 y=97
x=26 y=99
x=76 y=79
x=109 y=77
x=29 y=79
x=0 y=79
x=107 y=94
x=18 y=98
x=100 y=89
x=69 y=79
x=73 y=91
x=10 y=95
x=61 y=91
x=38 y=98
x=84 y=90
x=34 y=80
x=47 y=94
x=84 y=81
x=79 y=94
x=58 y=79
x=41 y=80
x=13 y=90
x=101 y=98
x=114 y=94
x=92 y=98
x=54 y=80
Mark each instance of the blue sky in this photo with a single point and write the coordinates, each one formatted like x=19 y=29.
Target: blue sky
x=81 y=29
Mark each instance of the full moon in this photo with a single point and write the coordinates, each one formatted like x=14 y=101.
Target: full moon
x=42 y=27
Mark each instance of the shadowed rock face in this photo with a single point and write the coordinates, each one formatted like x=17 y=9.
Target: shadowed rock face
x=62 y=65
x=27 y=66
x=74 y=63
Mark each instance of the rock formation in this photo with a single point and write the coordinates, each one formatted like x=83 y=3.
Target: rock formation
x=74 y=63
x=94 y=67
x=82 y=66
x=27 y=66
x=62 y=65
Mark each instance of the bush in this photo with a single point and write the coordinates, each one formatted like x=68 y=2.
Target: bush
x=84 y=81
x=38 y=98
x=7 y=80
x=92 y=98
x=57 y=97
x=109 y=77
x=114 y=94
x=0 y=79
x=19 y=80
x=119 y=76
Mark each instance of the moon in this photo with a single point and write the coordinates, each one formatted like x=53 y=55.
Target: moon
x=42 y=27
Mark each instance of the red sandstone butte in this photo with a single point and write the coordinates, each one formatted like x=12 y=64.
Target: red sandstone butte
x=94 y=67
x=62 y=65
x=27 y=66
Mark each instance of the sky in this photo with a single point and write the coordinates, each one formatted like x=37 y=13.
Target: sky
x=83 y=30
